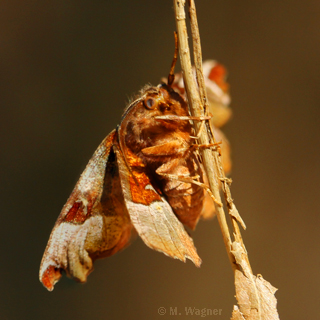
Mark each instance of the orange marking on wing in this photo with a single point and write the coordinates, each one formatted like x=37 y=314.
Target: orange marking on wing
x=133 y=160
x=139 y=180
x=50 y=277
x=139 y=193
x=76 y=214
x=218 y=75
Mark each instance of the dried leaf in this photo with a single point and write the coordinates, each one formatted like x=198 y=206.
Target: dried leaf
x=254 y=294
x=235 y=213
x=236 y=314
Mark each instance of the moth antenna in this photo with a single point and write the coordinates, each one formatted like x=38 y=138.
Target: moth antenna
x=174 y=61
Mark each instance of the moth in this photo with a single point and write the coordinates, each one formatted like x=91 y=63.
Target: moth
x=131 y=185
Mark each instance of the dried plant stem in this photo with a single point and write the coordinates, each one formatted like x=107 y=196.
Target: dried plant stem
x=197 y=111
x=254 y=294
x=204 y=101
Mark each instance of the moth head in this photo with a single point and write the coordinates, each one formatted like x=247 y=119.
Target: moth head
x=158 y=102
x=155 y=101
x=140 y=123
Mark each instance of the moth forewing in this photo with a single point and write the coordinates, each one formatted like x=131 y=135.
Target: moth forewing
x=151 y=214
x=85 y=229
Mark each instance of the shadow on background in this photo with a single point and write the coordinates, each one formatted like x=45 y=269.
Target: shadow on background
x=67 y=68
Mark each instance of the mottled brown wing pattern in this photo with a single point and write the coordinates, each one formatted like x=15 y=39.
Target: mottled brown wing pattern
x=186 y=199
x=92 y=224
x=150 y=213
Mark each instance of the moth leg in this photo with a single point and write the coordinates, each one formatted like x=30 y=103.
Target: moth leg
x=187 y=118
x=226 y=180
x=173 y=117
x=206 y=146
x=202 y=125
x=188 y=179
x=175 y=147
x=167 y=149
x=200 y=131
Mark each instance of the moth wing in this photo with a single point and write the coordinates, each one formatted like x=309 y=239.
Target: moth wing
x=93 y=223
x=150 y=213
x=209 y=210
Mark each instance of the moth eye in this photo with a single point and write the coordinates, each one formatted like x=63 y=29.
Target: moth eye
x=150 y=102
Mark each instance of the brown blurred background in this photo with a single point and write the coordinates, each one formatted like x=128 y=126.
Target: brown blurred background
x=66 y=70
